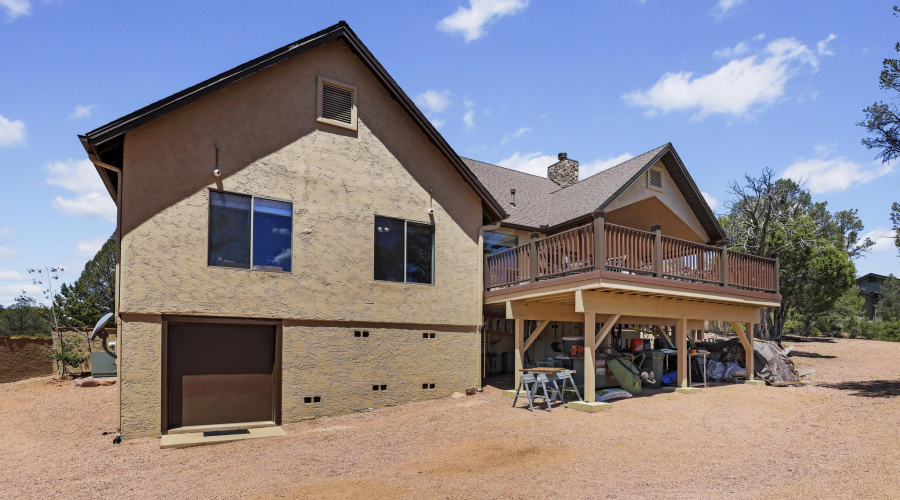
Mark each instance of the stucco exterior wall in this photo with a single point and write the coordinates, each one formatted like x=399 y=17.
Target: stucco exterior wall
x=271 y=145
x=337 y=180
x=23 y=357
x=670 y=196
x=329 y=362
x=140 y=377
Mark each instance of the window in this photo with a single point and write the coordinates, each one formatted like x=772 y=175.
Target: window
x=404 y=251
x=498 y=242
x=249 y=233
x=336 y=103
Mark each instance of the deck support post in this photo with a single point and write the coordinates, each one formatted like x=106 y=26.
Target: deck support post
x=681 y=333
x=656 y=229
x=519 y=340
x=746 y=338
x=590 y=370
x=599 y=241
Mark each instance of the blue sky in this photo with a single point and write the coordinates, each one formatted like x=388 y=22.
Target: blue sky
x=736 y=85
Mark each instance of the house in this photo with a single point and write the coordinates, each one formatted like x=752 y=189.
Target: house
x=295 y=239
x=870 y=289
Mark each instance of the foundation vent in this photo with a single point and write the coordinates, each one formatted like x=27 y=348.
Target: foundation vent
x=428 y=335
x=382 y=387
x=360 y=333
x=312 y=399
x=427 y=386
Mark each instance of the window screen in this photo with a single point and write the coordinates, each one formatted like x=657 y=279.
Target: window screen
x=229 y=230
x=404 y=251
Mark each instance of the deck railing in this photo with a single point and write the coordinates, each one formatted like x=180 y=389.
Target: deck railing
x=631 y=251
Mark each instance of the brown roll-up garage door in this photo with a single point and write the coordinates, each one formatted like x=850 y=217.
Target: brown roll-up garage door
x=220 y=373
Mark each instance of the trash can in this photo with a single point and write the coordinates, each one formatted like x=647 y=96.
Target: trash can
x=508 y=364
x=653 y=362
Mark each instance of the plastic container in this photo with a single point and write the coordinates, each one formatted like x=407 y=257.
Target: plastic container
x=637 y=345
x=653 y=362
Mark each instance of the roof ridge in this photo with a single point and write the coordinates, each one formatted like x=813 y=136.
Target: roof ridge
x=506 y=168
x=612 y=167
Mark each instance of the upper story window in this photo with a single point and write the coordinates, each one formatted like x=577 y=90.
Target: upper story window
x=498 y=242
x=336 y=103
x=249 y=232
x=404 y=251
x=655 y=179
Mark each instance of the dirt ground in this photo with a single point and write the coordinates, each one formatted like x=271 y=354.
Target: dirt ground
x=837 y=436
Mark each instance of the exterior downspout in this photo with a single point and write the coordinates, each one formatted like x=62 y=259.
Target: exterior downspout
x=482 y=367
x=119 y=332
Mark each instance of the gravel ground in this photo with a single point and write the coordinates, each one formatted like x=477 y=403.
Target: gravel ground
x=836 y=436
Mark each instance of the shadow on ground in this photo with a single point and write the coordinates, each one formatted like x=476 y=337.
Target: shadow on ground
x=821 y=340
x=869 y=388
x=804 y=354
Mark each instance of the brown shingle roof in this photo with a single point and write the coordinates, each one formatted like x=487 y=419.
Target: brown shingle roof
x=540 y=201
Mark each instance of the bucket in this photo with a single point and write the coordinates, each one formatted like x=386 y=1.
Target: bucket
x=637 y=345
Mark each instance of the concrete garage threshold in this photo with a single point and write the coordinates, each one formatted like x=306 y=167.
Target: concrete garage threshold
x=185 y=440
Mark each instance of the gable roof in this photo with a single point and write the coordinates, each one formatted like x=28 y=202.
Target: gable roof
x=544 y=203
x=105 y=144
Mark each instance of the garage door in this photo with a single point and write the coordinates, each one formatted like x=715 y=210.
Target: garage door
x=220 y=374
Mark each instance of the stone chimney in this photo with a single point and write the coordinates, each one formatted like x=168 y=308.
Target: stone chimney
x=564 y=172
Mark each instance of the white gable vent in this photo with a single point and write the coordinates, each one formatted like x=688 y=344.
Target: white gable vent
x=336 y=103
x=654 y=178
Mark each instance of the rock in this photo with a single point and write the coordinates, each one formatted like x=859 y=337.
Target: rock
x=457 y=395
x=471 y=391
x=88 y=382
x=107 y=381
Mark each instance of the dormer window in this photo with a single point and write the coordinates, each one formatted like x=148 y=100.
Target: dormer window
x=336 y=103
x=654 y=179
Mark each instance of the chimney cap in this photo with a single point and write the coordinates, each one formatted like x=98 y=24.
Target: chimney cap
x=562 y=156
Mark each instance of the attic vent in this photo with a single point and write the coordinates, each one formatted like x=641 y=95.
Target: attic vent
x=655 y=178
x=337 y=103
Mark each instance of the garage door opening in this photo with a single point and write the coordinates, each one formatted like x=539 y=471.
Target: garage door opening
x=221 y=373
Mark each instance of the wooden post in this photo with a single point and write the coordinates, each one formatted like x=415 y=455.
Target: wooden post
x=681 y=330
x=724 y=262
x=777 y=272
x=656 y=229
x=748 y=360
x=599 y=241
x=487 y=269
x=590 y=368
x=533 y=270
x=519 y=348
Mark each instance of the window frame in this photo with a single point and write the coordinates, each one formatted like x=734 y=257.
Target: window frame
x=253 y=198
x=405 y=263
x=320 y=81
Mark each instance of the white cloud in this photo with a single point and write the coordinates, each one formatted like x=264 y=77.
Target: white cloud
x=8 y=293
x=531 y=163
x=590 y=168
x=6 y=253
x=728 y=52
x=515 y=135
x=883 y=238
x=738 y=88
x=16 y=8
x=469 y=117
x=89 y=248
x=12 y=132
x=11 y=275
x=437 y=122
x=537 y=163
x=80 y=177
x=822 y=46
x=724 y=7
x=81 y=112
x=710 y=200
x=825 y=175
x=433 y=101
x=472 y=20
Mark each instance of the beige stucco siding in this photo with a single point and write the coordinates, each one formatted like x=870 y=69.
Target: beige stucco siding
x=670 y=196
x=338 y=180
x=329 y=362
x=139 y=376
